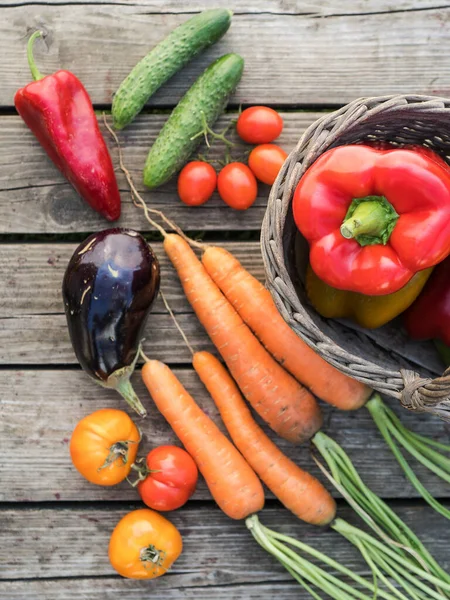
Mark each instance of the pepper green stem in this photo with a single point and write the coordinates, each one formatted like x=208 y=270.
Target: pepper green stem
x=34 y=70
x=369 y=220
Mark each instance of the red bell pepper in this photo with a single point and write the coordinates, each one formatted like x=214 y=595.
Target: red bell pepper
x=59 y=112
x=429 y=316
x=373 y=217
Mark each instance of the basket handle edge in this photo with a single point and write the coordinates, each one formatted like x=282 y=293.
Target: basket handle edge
x=426 y=395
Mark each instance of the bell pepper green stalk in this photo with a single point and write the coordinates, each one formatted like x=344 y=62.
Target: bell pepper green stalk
x=392 y=531
x=401 y=440
x=369 y=221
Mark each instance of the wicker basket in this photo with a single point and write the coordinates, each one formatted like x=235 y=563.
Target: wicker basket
x=396 y=119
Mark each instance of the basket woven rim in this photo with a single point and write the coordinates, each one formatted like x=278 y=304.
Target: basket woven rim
x=404 y=384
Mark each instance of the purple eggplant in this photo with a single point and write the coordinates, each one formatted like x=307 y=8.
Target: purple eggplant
x=109 y=287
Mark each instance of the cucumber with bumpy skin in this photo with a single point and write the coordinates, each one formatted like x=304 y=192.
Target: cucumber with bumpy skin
x=168 y=57
x=203 y=103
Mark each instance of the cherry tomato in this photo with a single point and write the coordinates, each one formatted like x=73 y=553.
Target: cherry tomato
x=237 y=186
x=144 y=544
x=196 y=183
x=171 y=480
x=266 y=161
x=104 y=445
x=259 y=125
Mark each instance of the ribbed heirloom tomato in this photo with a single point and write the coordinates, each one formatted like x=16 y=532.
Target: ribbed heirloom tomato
x=171 y=478
x=144 y=545
x=104 y=445
x=237 y=186
x=265 y=161
x=259 y=125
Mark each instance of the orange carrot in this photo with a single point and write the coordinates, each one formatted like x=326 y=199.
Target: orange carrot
x=231 y=481
x=282 y=402
x=299 y=491
x=255 y=305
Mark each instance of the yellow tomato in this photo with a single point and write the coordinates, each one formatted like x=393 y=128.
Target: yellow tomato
x=104 y=446
x=144 y=545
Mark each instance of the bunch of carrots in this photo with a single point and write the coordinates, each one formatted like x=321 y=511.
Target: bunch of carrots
x=266 y=362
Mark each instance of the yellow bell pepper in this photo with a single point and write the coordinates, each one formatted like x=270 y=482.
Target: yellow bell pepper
x=368 y=311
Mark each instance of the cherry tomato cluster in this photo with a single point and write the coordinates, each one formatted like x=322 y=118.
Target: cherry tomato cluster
x=236 y=182
x=103 y=449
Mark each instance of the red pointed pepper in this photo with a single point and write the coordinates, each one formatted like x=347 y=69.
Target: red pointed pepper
x=59 y=112
x=374 y=217
x=429 y=316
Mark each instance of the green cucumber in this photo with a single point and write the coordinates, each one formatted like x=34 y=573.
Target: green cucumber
x=168 y=57
x=203 y=102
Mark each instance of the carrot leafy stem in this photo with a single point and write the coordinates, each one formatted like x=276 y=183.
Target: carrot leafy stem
x=423 y=449
x=397 y=541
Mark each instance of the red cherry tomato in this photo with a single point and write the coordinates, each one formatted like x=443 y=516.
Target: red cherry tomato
x=237 y=186
x=259 y=125
x=196 y=183
x=172 y=478
x=266 y=161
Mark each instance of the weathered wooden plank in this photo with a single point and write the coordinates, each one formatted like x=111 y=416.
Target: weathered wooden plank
x=32 y=275
x=33 y=326
x=326 y=8
x=126 y=589
x=34 y=197
x=39 y=410
x=290 y=59
x=74 y=542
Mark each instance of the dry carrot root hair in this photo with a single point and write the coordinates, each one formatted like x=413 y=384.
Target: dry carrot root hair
x=231 y=481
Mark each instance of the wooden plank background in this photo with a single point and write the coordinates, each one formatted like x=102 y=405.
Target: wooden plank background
x=35 y=199
x=291 y=59
x=301 y=56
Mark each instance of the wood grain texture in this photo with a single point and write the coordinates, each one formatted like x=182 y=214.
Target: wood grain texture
x=33 y=326
x=217 y=551
x=290 y=59
x=35 y=197
x=325 y=8
x=39 y=410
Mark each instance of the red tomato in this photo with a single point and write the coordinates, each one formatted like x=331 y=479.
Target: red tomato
x=196 y=183
x=259 y=125
x=237 y=186
x=171 y=479
x=266 y=161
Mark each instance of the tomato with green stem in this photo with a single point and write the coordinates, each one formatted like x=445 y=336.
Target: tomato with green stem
x=144 y=545
x=259 y=125
x=237 y=186
x=170 y=477
x=266 y=161
x=104 y=445
x=196 y=183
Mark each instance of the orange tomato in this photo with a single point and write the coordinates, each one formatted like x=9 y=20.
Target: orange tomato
x=144 y=545
x=265 y=161
x=104 y=445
